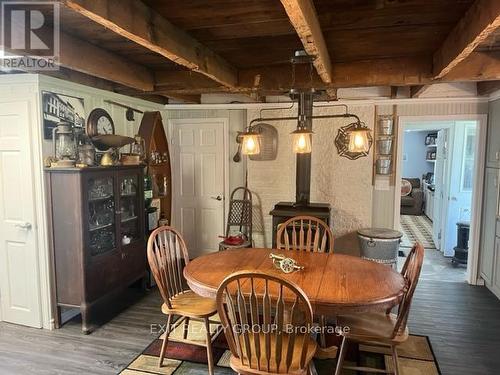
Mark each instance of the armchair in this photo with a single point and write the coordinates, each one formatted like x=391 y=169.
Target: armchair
x=413 y=204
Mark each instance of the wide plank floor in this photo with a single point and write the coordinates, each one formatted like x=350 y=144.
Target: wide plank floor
x=463 y=323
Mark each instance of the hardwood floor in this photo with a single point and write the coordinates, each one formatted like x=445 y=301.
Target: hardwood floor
x=463 y=323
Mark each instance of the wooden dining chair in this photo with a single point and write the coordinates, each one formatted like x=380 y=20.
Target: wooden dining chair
x=306 y=233
x=267 y=324
x=384 y=328
x=167 y=256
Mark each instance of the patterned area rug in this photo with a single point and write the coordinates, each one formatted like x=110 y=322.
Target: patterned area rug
x=415 y=357
x=416 y=228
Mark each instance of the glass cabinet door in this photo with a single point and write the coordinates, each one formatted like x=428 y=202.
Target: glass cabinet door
x=101 y=218
x=129 y=207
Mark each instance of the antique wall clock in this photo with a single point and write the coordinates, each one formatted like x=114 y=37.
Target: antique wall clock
x=99 y=123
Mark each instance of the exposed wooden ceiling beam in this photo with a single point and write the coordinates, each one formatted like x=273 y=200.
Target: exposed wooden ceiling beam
x=482 y=18
x=182 y=80
x=83 y=57
x=479 y=66
x=487 y=87
x=80 y=78
x=382 y=72
x=304 y=19
x=137 y=22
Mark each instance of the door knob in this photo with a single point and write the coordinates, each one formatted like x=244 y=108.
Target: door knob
x=218 y=198
x=25 y=225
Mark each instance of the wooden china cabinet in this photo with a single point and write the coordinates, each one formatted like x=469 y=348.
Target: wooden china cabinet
x=98 y=239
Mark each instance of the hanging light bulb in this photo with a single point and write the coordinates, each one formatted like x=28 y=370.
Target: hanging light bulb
x=301 y=140
x=250 y=142
x=359 y=139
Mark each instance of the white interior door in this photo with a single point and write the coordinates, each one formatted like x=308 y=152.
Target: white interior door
x=198 y=153
x=19 y=286
x=461 y=183
x=440 y=188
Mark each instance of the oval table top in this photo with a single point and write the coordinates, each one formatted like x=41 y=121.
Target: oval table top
x=335 y=283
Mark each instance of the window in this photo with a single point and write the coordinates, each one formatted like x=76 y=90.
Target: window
x=467 y=178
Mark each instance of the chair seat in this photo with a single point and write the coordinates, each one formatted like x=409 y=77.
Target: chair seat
x=192 y=305
x=244 y=244
x=239 y=367
x=377 y=327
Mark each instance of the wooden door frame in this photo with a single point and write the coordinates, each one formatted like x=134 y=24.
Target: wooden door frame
x=225 y=131
x=473 y=277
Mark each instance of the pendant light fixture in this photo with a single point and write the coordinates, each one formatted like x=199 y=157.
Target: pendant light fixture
x=250 y=142
x=301 y=140
x=353 y=141
x=359 y=141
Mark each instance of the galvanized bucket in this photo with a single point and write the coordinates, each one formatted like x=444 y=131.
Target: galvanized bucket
x=385 y=125
x=384 y=146
x=383 y=165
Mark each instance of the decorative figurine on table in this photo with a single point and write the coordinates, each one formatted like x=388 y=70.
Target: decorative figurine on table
x=287 y=265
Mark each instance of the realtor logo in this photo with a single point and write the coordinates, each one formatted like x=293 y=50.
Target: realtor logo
x=30 y=35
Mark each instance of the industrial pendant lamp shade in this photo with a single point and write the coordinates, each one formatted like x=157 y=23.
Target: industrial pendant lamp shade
x=301 y=140
x=250 y=143
x=358 y=140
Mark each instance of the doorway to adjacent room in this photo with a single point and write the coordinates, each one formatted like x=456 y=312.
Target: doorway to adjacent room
x=439 y=172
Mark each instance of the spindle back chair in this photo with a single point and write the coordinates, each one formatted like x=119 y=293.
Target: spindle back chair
x=167 y=256
x=266 y=335
x=305 y=233
x=385 y=328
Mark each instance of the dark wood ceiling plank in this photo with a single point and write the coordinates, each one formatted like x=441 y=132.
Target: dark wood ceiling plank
x=482 y=19
x=135 y=21
x=488 y=87
x=304 y=19
x=202 y=14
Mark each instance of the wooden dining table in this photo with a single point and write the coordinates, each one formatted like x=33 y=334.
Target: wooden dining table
x=335 y=284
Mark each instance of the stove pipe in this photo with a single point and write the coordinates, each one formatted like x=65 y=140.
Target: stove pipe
x=303 y=171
